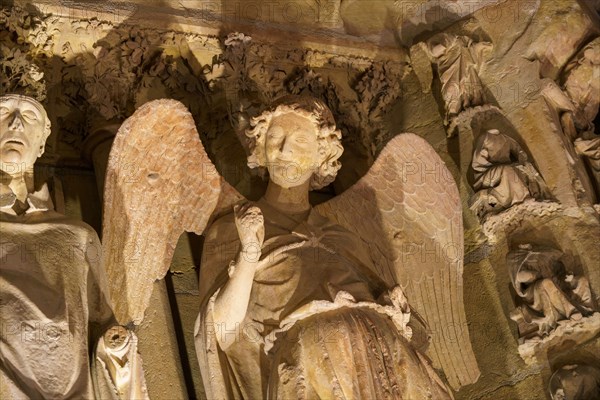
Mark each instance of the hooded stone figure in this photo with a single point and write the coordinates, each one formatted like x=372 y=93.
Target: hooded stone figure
x=575 y=382
x=548 y=292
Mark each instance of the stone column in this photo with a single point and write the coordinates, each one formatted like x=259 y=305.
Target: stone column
x=96 y=149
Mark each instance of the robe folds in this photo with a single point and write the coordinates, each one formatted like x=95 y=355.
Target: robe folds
x=314 y=327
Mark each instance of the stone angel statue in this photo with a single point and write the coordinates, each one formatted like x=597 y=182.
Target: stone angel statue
x=295 y=300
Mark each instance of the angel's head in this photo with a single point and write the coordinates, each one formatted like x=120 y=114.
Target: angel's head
x=296 y=140
x=24 y=129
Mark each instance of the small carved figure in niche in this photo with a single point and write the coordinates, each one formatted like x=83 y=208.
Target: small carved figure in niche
x=575 y=382
x=548 y=293
x=52 y=287
x=503 y=176
x=458 y=60
x=578 y=102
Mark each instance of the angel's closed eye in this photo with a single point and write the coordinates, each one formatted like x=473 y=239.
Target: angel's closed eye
x=4 y=111
x=301 y=139
x=30 y=116
x=275 y=132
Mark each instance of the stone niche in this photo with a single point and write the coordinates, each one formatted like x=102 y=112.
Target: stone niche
x=445 y=71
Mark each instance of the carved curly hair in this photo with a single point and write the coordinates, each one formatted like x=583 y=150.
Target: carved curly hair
x=328 y=137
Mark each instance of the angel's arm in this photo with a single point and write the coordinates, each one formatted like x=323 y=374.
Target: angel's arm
x=231 y=303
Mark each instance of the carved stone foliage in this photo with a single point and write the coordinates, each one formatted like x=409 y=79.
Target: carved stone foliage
x=128 y=66
x=457 y=61
x=97 y=71
x=256 y=74
x=25 y=40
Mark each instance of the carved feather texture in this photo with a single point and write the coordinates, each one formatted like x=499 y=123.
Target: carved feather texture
x=159 y=184
x=407 y=210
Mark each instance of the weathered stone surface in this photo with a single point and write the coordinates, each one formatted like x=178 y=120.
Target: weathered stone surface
x=567 y=334
x=157 y=163
x=101 y=61
x=287 y=270
x=53 y=288
x=577 y=382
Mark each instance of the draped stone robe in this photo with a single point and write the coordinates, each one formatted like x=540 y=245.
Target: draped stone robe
x=496 y=169
x=313 y=327
x=50 y=289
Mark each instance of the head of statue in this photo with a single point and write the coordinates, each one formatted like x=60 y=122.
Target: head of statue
x=296 y=141
x=24 y=128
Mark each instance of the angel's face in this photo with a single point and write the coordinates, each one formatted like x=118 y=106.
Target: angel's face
x=22 y=126
x=291 y=149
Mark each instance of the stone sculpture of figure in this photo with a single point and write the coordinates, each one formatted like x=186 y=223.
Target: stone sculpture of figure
x=582 y=87
x=52 y=289
x=502 y=174
x=295 y=272
x=299 y=301
x=578 y=102
x=575 y=382
x=548 y=292
x=458 y=60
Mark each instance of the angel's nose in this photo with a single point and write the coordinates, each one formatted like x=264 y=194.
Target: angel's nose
x=17 y=123
x=282 y=144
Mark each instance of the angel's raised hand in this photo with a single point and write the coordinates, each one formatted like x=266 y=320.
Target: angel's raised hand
x=250 y=225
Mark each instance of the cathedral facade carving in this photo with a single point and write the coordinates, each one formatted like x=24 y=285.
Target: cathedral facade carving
x=284 y=199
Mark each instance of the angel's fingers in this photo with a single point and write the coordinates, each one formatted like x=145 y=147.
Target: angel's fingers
x=240 y=211
x=242 y=207
x=260 y=234
x=254 y=210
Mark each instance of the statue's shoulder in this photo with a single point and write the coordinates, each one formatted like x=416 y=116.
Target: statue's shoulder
x=222 y=228
x=75 y=223
x=49 y=220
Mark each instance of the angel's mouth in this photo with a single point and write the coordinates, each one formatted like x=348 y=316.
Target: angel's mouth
x=14 y=142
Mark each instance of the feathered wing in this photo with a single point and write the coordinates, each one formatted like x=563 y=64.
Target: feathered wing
x=159 y=184
x=408 y=212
